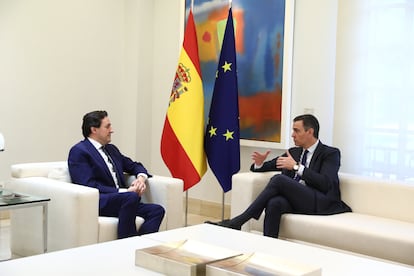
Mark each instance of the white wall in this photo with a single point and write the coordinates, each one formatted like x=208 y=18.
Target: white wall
x=168 y=32
x=61 y=59
x=314 y=62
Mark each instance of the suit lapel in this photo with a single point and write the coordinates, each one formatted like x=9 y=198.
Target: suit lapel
x=97 y=157
x=316 y=154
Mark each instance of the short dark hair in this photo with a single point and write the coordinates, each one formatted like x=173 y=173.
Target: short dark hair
x=92 y=119
x=309 y=121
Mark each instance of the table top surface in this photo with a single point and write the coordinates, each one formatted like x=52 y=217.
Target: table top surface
x=9 y=198
x=118 y=257
x=332 y=262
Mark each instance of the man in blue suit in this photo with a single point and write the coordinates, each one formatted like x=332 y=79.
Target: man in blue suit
x=308 y=183
x=96 y=163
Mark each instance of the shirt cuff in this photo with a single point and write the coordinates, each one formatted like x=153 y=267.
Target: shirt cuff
x=145 y=176
x=258 y=167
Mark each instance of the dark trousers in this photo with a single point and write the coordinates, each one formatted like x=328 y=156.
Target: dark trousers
x=281 y=195
x=126 y=206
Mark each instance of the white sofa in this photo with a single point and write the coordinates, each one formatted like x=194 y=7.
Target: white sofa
x=73 y=218
x=381 y=224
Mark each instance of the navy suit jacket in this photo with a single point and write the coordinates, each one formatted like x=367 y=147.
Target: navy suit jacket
x=321 y=176
x=87 y=167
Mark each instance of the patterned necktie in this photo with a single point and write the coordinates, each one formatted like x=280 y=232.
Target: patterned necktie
x=113 y=165
x=303 y=162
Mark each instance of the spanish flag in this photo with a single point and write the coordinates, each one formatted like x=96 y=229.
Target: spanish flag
x=182 y=141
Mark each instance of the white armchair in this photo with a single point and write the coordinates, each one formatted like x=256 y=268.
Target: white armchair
x=73 y=218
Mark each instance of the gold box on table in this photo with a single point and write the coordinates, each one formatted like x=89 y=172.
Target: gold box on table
x=184 y=258
x=260 y=264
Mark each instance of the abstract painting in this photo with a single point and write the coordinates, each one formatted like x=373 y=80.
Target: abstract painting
x=264 y=35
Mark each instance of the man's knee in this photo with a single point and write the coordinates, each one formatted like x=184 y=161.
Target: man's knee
x=131 y=198
x=160 y=210
x=278 y=180
x=278 y=204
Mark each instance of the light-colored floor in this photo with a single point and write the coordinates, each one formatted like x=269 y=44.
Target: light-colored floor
x=5 y=254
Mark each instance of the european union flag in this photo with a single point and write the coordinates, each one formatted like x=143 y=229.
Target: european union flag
x=222 y=141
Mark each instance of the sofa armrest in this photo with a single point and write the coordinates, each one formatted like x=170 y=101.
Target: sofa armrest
x=246 y=187
x=72 y=216
x=168 y=192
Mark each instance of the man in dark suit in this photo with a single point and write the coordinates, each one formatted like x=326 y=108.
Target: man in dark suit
x=308 y=183
x=96 y=163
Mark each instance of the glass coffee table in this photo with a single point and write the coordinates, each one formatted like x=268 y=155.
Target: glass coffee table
x=10 y=200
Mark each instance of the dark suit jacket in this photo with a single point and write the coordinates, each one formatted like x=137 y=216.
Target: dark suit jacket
x=321 y=176
x=87 y=167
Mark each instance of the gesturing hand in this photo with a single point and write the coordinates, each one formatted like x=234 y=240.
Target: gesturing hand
x=259 y=158
x=285 y=162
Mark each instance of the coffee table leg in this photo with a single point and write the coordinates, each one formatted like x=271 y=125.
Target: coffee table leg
x=45 y=227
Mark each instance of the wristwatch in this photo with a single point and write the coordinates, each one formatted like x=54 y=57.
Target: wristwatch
x=296 y=167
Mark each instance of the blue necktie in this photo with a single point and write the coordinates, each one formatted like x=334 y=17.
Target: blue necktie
x=303 y=162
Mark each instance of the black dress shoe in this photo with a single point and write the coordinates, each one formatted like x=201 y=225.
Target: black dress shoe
x=224 y=223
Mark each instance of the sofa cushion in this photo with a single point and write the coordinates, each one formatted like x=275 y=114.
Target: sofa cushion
x=61 y=174
x=378 y=197
x=381 y=237
x=35 y=169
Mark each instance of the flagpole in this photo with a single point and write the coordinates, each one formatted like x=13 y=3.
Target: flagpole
x=186 y=207
x=224 y=116
x=174 y=143
x=222 y=207
x=223 y=195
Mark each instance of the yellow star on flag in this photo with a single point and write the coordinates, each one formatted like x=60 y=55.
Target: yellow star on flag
x=228 y=134
x=212 y=131
x=226 y=67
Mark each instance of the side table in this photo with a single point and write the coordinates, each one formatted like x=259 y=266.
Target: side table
x=11 y=201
